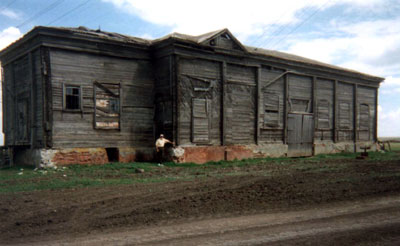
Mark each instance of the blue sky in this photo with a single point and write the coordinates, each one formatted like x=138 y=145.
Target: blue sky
x=359 y=34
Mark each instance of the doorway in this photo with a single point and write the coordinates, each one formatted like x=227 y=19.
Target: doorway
x=300 y=135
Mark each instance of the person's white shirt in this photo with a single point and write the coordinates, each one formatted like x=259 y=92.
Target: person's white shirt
x=161 y=142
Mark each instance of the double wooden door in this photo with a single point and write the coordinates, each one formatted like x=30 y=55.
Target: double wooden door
x=300 y=134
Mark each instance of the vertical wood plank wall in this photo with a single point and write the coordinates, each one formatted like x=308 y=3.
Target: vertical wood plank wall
x=273 y=134
x=76 y=128
x=156 y=97
x=324 y=91
x=237 y=82
x=199 y=79
x=163 y=97
x=22 y=83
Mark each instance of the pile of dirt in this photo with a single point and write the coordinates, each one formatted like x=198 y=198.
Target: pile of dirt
x=253 y=189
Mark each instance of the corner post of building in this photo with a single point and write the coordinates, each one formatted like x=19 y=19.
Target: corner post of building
x=14 y=108
x=32 y=124
x=355 y=117
x=4 y=95
x=314 y=107
x=223 y=96
x=258 y=104
x=47 y=97
x=376 y=116
x=286 y=93
x=335 y=111
x=177 y=100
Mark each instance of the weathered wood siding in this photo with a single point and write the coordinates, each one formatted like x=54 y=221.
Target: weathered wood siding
x=22 y=92
x=240 y=105
x=198 y=79
x=76 y=129
x=300 y=93
x=345 y=114
x=324 y=109
x=366 y=100
x=163 y=98
x=37 y=102
x=272 y=97
x=8 y=105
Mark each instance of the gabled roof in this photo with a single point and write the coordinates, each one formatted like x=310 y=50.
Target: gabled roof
x=203 y=40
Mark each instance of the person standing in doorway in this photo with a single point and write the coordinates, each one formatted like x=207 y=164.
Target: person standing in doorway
x=160 y=143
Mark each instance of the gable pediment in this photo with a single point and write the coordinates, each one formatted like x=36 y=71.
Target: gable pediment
x=225 y=40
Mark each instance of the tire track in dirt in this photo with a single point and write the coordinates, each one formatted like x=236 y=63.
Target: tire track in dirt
x=346 y=223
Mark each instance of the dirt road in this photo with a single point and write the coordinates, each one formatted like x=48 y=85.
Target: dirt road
x=341 y=202
x=366 y=222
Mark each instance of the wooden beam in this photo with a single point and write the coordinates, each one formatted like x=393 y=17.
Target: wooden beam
x=355 y=116
x=335 y=111
x=14 y=108
x=94 y=106
x=376 y=116
x=258 y=105
x=314 y=106
x=31 y=76
x=223 y=112
x=177 y=100
x=105 y=89
x=286 y=101
x=49 y=99
x=4 y=101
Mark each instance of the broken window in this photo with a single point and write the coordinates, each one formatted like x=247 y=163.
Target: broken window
x=201 y=115
x=271 y=110
x=72 y=97
x=107 y=106
x=323 y=109
x=344 y=115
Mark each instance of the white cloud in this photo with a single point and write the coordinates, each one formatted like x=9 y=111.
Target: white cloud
x=244 y=18
x=386 y=128
x=9 y=35
x=147 y=36
x=372 y=47
x=9 y=13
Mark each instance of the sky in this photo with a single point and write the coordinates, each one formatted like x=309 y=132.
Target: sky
x=358 y=34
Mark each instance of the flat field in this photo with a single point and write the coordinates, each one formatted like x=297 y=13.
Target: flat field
x=58 y=206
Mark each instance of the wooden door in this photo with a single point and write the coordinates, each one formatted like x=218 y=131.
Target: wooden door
x=300 y=134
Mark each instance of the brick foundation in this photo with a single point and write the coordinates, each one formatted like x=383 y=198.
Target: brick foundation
x=180 y=154
x=68 y=156
x=202 y=154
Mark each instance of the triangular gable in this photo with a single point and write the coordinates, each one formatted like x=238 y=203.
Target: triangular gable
x=221 y=39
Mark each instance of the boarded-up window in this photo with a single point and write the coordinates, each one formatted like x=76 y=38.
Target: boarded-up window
x=344 y=115
x=299 y=105
x=107 y=106
x=72 y=97
x=323 y=108
x=271 y=109
x=364 y=117
x=201 y=114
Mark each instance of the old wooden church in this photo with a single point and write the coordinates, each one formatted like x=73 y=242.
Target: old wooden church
x=75 y=95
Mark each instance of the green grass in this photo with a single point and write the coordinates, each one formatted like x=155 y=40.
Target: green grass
x=17 y=179
x=395 y=146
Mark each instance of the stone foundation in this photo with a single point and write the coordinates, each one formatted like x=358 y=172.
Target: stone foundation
x=181 y=154
x=329 y=147
x=68 y=156
x=202 y=154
